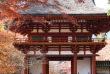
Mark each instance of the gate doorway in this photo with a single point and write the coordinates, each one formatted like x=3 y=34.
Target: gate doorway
x=60 y=65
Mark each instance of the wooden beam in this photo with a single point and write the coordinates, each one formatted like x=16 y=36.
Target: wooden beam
x=59 y=43
x=61 y=34
x=81 y=55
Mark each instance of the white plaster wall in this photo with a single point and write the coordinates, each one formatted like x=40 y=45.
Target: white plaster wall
x=36 y=68
x=52 y=53
x=40 y=31
x=70 y=39
x=38 y=53
x=30 y=52
x=78 y=30
x=88 y=52
x=49 y=39
x=85 y=31
x=34 y=31
x=65 y=30
x=57 y=53
x=66 y=53
x=83 y=66
x=53 y=30
x=81 y=52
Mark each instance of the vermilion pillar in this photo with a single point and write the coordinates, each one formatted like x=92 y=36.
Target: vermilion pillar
x=25 y=64
x=75 y=63
x=44 y=63
x=93 y=64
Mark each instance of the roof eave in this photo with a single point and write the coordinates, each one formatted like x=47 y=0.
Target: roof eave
x=91 y=14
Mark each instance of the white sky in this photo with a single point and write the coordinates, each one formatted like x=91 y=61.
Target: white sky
x=102 y=3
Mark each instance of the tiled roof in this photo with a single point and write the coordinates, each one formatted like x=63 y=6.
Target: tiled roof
x=75 y=8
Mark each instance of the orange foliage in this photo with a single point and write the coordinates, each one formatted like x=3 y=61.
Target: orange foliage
x=10 y=58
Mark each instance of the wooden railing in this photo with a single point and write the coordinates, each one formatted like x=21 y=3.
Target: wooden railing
x=61 y=40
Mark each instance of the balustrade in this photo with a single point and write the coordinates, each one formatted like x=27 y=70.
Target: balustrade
x=61 y=40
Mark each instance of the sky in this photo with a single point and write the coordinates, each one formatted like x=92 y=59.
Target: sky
x=102 y=3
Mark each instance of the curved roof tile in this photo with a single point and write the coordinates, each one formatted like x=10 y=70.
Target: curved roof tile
x=74 y=8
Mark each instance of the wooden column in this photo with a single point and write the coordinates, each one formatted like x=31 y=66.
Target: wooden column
x=25 y=64
x=93 y=64
x=44 y=63
x=28 y=64
x=75 y=63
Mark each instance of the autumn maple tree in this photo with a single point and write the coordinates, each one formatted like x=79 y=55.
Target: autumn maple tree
x=10 y=58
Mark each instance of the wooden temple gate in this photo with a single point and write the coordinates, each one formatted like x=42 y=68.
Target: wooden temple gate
x=62 y=36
